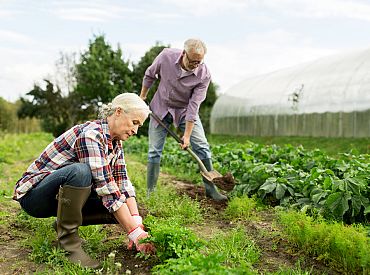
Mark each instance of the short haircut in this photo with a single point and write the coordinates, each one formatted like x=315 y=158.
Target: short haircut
x=195 y=44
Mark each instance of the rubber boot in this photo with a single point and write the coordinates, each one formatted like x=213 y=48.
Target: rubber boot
x=93 y=219
x=211 y=190
x=69 y=217
x=152 y=177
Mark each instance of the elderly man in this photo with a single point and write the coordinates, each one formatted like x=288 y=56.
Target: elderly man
x=184 y=80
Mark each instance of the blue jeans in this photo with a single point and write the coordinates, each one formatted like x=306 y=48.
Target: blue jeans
x=41 y=202
x=157 y=137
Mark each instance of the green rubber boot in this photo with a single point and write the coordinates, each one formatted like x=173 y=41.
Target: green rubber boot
x=211 y=190
x=152 y=177
x=69 y=217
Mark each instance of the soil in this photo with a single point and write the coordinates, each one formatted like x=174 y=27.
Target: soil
x=276 y=252
x=226 y=182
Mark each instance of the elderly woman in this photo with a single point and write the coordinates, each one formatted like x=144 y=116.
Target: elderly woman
x=81 y=178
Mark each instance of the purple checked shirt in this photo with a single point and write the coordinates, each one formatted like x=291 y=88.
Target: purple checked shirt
x=178 y=93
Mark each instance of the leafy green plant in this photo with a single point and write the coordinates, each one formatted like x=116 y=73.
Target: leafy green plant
x=198 y=263
x=171 y=239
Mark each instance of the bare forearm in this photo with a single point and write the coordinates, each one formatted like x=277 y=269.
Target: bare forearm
x=189 y=125
x=132 y=205
x=123 y=216
x=144 y=92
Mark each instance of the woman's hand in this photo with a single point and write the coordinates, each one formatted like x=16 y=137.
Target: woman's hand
x=138 y=234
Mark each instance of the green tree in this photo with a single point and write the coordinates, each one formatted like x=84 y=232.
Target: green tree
x=7 y=115
x=101 y=75
x=138 y=74
x=206 y=106
x=49 y=106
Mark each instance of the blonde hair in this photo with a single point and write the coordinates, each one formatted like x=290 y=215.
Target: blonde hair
x=127 y=101
x=195 y=44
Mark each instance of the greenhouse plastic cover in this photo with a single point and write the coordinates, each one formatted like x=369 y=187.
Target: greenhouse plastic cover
x=339 y=83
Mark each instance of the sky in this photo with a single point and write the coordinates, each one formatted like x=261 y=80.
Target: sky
x=244 y=37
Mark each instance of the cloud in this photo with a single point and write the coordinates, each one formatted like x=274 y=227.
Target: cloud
x=16 y=37
x=22 y=68
x=103 y=11
x=208 y=7
x=321 y=9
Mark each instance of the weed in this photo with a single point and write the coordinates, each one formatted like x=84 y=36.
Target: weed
x=236 y=247
x=241 y=208
x=171 y=239
x=344 y=246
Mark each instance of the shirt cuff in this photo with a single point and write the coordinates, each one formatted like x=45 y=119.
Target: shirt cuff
x=117 y=204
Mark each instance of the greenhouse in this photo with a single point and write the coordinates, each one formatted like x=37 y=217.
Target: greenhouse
x=329 y=97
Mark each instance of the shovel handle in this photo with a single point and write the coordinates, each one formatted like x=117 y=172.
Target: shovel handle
x=172 y=133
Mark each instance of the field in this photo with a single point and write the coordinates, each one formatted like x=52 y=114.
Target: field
x=293 y=211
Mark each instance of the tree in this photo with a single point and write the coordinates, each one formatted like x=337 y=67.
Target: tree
x=101 y=75
x=50 y=106
x=138 y=74
x=206 y=106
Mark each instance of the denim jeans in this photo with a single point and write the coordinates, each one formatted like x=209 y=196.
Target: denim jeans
x=41 y=202
x=157 y=137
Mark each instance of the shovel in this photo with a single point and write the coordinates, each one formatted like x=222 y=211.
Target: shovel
x=226 y=182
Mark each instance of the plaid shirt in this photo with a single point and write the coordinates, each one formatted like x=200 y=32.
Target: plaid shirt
x=88 y=143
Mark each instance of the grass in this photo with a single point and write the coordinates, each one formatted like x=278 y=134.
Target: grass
x=241 y=208
x=336 y=244
x=346 y=247
x=331 y=146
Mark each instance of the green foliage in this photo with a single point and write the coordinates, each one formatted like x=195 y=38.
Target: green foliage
x=241 y=208
x=50 y=106
x=309 y=180
x=238 y=249
x=198 y=263
x=165 y=203
x=171 y=239
x=206 y=106
x=140 y=68
x=138 y=74
x=346 y=246
x=101 y=75
x=23 y=146
x=331 y=146
x=296 y=271
x=9 y=121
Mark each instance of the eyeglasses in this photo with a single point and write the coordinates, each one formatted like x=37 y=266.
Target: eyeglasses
x=193 y=62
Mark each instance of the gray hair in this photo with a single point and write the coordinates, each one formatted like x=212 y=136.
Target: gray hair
x=195 y=44
x=127 y=101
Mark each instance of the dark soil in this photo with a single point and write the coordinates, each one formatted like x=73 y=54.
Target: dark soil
x=226 y=182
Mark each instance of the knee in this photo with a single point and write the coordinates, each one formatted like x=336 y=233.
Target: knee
x=81 y=175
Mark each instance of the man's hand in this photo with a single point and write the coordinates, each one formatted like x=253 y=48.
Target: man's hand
x=185 y=142
x=138 y=234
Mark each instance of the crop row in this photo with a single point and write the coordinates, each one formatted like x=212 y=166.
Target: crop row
x=337 y=188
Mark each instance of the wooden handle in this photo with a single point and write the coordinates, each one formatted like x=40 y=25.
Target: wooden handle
x=178 y=139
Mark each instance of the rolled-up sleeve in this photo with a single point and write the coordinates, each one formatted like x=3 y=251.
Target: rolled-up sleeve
x=198 y=96
x=151 y=73
x=89 y=148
